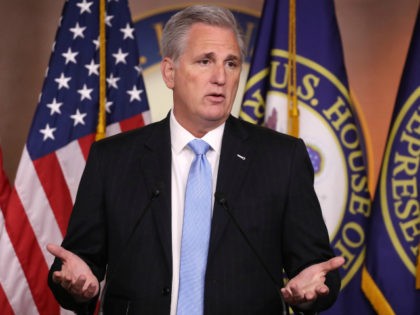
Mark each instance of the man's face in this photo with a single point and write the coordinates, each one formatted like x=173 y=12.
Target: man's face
x=205 y=78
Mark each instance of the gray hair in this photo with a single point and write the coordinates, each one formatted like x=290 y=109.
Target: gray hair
x=176 y=29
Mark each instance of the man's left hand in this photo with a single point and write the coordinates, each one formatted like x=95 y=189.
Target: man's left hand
x=303 y=289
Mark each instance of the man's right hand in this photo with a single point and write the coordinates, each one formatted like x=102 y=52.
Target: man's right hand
x=75 y=275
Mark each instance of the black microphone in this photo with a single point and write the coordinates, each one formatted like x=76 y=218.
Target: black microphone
x=156 y=191
x=221 y=199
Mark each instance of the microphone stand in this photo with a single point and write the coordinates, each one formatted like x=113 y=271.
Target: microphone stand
x=223 y=202
x=155 y=193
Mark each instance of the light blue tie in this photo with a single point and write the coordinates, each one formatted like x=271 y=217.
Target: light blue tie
x=195 y=232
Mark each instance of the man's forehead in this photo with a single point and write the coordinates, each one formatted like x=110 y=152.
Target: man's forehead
x=204 y=37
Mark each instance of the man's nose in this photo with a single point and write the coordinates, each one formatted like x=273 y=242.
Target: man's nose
x=219 y=75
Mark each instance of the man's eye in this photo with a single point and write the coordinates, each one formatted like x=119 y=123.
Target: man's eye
x=232 y=64
x=204 y=61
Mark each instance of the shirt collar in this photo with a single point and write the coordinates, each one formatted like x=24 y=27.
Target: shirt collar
x=180 y=137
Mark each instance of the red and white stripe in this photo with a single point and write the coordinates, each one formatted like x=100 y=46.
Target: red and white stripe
x=36 y=214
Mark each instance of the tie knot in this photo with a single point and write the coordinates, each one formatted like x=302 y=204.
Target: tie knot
x=199 y=146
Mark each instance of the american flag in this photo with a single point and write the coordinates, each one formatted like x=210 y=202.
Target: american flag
x=62 y=131
x=4 y=187
x=4 y=240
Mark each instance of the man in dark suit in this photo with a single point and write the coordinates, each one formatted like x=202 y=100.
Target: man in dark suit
x=128 y=217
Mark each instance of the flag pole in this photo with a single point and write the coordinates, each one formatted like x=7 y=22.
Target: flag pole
x=100 y=129
x=293 y=121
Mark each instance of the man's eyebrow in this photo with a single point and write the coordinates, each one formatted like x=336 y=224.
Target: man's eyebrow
x=212 y=55
x=209 y=55
x=234 y=58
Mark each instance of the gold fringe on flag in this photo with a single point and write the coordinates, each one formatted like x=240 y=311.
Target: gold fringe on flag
x=418 y=269
x=292 y=102
x=374 y=295
x=101 y=127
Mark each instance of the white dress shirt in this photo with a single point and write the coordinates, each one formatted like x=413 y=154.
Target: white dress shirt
x=182 y=157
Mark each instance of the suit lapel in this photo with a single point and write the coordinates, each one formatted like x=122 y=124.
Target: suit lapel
x=156 y=168
x=235 y=159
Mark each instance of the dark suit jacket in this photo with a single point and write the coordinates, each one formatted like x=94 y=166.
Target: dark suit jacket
x=269 y=191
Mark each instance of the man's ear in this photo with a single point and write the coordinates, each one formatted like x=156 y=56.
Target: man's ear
x=167 y=68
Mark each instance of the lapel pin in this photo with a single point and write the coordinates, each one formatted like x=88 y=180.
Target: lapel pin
x=241 y=157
